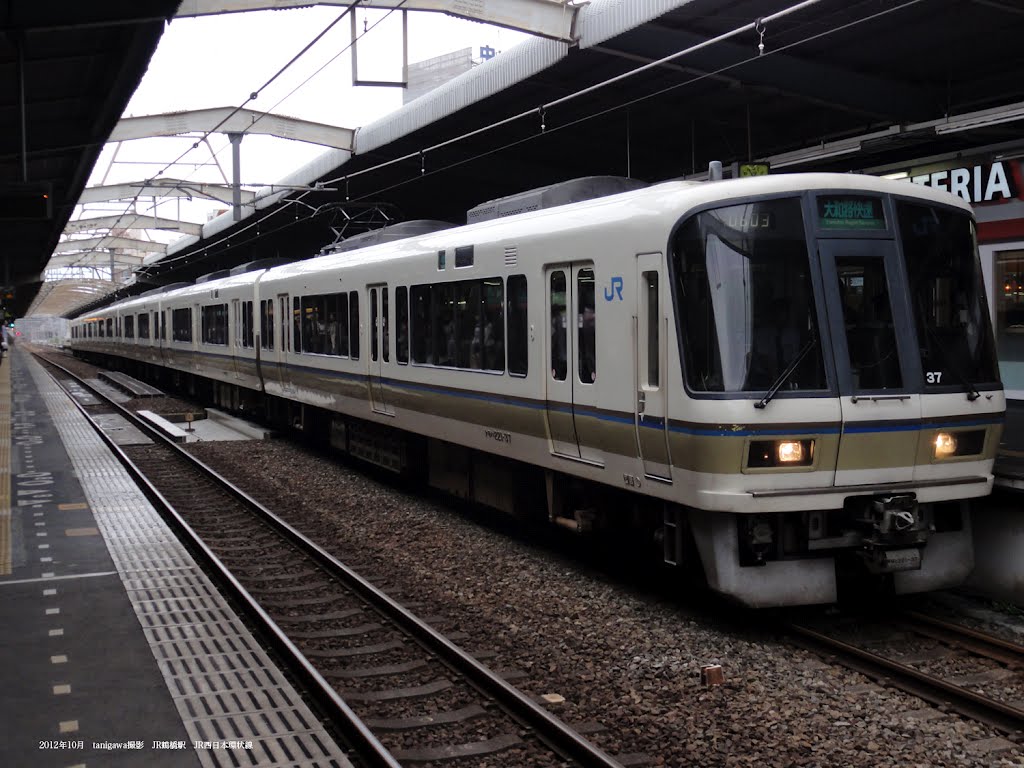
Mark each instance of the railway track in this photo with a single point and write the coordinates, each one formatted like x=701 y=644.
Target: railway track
x=399 y=689
x=915 y=652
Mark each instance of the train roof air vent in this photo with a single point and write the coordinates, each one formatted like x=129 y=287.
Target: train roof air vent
x=213 y=276
x=389 y=234
x=563 y=193
x=173 y=287
x=252 y=266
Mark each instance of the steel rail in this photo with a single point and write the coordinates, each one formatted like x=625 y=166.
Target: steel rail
x=980 y=643
x=559 y=736
x=350 y=724
x=1001 y=716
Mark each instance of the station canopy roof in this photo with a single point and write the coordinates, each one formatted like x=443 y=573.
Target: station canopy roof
x=69 y=68
x=838 y=85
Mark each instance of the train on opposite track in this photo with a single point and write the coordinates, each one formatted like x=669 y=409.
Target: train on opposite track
x=787 y=383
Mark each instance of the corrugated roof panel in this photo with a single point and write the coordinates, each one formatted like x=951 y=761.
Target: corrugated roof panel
x=602 y=20
x=511 y=67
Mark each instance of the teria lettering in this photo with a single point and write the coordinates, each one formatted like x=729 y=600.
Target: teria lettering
x=978 y=184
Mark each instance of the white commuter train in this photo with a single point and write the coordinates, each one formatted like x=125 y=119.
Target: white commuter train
x=790 y=379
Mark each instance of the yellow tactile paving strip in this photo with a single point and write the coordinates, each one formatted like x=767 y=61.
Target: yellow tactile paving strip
x=5 y=467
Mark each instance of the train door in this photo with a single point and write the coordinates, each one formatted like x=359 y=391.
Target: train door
x=649 y=357
x=560 y=356
x=571 y=392
x=235 y=337
x=284 y=341
x=380 y=350
x=873 y=344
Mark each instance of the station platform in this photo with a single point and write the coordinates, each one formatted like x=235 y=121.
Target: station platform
x=117 y=650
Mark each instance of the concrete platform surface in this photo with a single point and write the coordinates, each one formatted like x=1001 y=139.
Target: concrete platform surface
x=116 y=649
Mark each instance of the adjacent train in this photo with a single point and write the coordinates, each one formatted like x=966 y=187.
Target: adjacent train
x=787 y=383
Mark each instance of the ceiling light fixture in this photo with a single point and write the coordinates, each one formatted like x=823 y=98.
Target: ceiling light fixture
x=982 y=119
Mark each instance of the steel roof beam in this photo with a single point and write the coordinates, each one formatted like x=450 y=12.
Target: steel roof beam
x=90 y=243
x=788 y=74
x=231 y=120
x=546 y=18
x=132 y=221
x=162 y=188
x=93 y=259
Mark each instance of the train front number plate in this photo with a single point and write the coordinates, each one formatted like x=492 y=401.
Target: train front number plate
x=899 y=560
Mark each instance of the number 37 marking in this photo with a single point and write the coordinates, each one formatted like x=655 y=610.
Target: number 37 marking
x=934 y=377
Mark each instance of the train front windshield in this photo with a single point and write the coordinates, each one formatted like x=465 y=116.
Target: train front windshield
x=746 y=299
x=748 y=314
x=947 y=297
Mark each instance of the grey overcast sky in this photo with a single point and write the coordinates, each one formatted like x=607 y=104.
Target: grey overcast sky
x=218 y=61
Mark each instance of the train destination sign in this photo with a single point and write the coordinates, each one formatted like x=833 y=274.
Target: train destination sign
x=847 y=212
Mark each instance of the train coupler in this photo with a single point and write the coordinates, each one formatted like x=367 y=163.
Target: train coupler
x=898 y=533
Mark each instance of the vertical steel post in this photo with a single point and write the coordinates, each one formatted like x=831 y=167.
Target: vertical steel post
x=236 y=175
x=19 y=41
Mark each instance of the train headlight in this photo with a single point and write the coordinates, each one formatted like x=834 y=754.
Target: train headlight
x=764 y=454
x=944 y=445
x=962 y=443
x=789 y=451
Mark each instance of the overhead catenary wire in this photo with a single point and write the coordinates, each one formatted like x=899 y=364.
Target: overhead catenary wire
x=130 y=205
x=759 y=55
x=543 y=109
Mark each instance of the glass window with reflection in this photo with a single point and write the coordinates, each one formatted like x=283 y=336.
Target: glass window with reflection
x=459 y=324
x=947 y=296
x=746 y=304
x=402 y=324
x=518 y=326
x=586 y=325
x=267 y=324
x=1008 y=298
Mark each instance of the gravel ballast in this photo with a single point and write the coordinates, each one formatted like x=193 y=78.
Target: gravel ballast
x=625 y=659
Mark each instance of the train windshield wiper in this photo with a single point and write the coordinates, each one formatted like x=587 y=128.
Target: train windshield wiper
x=971 y=390
x=784 y=376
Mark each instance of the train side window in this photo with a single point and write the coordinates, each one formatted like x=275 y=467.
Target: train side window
x=247 y=324
x=110 y=326
x=143 y=325
x=181 y=324
x=384 y=340
x=214 y=324
x=285 y=332
x=329 y=309
x=267 y=324
x=296 y=325
x=586 y=326
x=353 y=324
x=129 y=326
x=559 y=329
x=492 y=337
x=314 y=327
x=422 y=335
x=652 y=315
x=518 y=327
x=342 y=329
x=373 y=324
x=402 y=324
x=442 y=323
x=468 y=331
